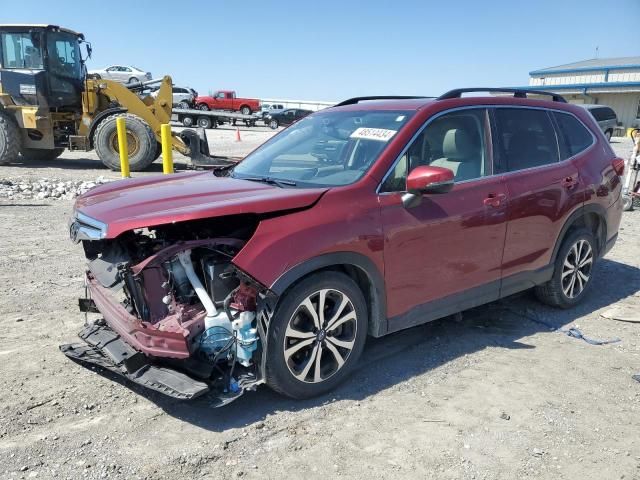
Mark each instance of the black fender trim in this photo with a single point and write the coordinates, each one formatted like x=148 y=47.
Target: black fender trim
x=99 y=117
x=377 y=304
x=580 y=212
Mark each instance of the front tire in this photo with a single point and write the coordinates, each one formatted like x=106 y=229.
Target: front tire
x=141 y=142
x=316 y=335
x=608 y=134
x=133 y=80
x=39 y=154
x=203 y=106
x=573 y=272
x=273 y=124
x=10 y=139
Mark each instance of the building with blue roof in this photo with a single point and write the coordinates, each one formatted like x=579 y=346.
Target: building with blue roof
x=605 y=81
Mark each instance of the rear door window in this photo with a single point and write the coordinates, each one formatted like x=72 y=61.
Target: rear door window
x=525 y=139
x=573 y=135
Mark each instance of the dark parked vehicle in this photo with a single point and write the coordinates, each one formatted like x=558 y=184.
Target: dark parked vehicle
x=606 y=118
x=360 y=220
x=285 y=117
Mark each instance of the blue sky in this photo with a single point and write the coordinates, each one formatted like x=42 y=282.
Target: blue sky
x=331 y=50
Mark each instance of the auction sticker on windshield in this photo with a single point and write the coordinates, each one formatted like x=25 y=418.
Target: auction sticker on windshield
x=380 y=134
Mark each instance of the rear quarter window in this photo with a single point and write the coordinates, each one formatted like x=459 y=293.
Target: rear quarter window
x=573 y=135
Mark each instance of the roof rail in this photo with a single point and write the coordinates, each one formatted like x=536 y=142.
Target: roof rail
x=517 y=93
x=354 y=100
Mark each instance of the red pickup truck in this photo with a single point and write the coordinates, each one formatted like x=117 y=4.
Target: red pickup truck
x=227 y=100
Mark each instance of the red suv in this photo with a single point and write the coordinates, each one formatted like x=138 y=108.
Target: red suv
x=376 y=215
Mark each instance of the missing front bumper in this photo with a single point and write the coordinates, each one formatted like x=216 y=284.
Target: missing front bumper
x=106 y=349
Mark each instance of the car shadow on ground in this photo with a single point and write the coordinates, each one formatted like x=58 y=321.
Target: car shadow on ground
x=396 y=358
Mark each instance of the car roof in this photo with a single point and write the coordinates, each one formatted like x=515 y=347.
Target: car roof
x=454 y=99
x=418 y=104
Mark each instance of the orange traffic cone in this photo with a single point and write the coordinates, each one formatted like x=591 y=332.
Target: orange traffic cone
x=238 y=139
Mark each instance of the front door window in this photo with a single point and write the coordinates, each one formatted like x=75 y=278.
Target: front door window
x=455 y=141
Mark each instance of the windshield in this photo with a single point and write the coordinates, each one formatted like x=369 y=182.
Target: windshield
x=331 y=148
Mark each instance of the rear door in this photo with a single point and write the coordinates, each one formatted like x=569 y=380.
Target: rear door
x=543 y=190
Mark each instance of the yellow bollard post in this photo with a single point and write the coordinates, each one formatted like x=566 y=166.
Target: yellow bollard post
x=122 y=147
x=167 y=154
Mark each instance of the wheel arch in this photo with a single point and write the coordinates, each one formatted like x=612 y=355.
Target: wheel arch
x=101 y=116
x=592 y=217
x=357 y=267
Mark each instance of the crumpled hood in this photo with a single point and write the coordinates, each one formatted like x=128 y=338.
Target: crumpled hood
x=161 y=199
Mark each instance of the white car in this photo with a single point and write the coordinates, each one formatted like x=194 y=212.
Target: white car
x=122 y=74
x=268 y=109
x=183 y=97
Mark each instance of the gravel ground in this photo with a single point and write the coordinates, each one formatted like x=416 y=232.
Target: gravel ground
x=494 y=394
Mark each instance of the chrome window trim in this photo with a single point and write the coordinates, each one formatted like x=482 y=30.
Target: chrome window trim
x=468 y=107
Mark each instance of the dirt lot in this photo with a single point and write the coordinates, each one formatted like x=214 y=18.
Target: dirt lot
x=495 y=394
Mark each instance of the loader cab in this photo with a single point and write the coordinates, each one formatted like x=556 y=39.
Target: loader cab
x=41 y=65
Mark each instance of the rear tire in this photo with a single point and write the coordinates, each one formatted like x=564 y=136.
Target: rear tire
x=204 y=122
x=133 y=80
x=10 y=139
x=311 y=353
x=41 y=155
x=245 y=110
x=273 y=124
x=184 y=105
x=608 y=134
x=627 y=203
x=141 y=141
x=573 y=272
x=187 y=121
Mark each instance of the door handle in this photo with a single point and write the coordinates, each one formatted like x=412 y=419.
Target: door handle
x=494 y=199
x=569 y=182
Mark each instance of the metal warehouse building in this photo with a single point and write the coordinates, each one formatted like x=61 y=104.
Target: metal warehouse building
x=606 y=81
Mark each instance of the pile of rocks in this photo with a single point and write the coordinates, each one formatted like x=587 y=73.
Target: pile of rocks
x=46 y=188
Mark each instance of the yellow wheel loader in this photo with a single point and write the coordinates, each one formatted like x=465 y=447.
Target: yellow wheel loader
x=48 y=104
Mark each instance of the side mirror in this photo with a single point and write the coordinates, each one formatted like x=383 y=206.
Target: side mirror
x=426 y=179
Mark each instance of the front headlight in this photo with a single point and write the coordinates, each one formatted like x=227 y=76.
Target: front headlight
x=83 y=227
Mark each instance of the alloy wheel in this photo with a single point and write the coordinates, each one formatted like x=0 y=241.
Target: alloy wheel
x=320 y=336
x=576 y=269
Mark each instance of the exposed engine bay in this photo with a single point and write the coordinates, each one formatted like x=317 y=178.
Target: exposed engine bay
x=179 y=317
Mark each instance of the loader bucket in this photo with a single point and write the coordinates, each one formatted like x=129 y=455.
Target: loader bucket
x=199 y=150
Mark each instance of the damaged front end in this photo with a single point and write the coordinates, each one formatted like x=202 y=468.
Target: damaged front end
x=178 y=316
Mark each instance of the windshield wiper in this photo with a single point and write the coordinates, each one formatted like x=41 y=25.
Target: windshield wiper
x=271 y=181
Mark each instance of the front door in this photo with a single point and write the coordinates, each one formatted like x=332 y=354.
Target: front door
x=445 y=254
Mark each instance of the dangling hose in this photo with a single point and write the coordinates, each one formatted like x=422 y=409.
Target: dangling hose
x=227 y=305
